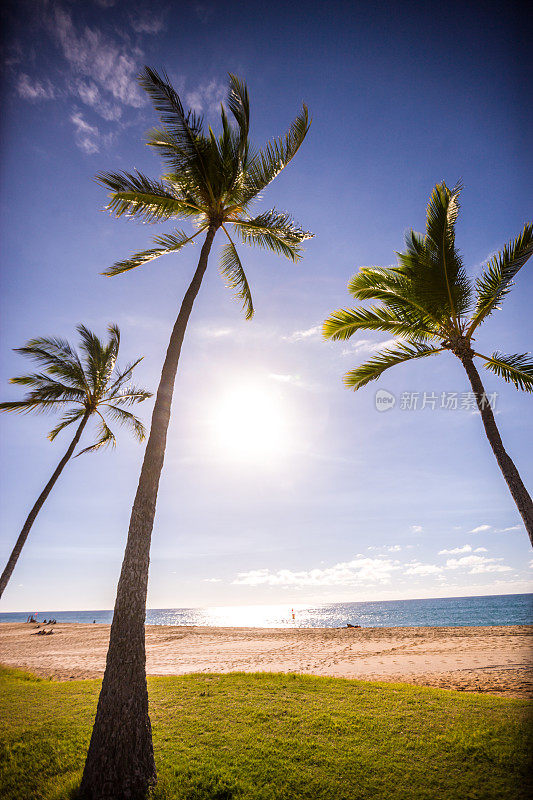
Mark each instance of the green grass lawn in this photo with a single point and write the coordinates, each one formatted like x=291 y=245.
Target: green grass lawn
x=277 y=737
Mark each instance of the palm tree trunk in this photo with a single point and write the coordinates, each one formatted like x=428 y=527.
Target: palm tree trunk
x=13 y=558
x=510 y=473
x=120 y=762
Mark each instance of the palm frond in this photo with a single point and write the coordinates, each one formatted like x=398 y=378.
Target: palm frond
x=169 y=243
x=275 y=231
x=128 y=395
x=106 y=438
x=269 y=162
x=135 y=195
x=442 y=256
x=239 y=105
x=496 y=279
x=49 y=387
x=516 y=368
x=232 y=270
x=67 y=419
x=128 y=419
x=342 y=324
x=50 y=352
x=373 y=369
x=185 y=128
x=122 y=375
x=31 y=404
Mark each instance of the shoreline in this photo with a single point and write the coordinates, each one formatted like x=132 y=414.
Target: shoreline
x=491 y=659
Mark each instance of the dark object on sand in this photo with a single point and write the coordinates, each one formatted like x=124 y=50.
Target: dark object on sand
x=352 y=626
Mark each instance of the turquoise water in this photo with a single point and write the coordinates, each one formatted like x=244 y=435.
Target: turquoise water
x=514 y=609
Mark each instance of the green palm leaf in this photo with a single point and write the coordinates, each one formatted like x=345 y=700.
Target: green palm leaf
x=342 y=324
x=169 y=243
x=373 y=369
x=138 y=196
x=232 y=270
x=128 y=419
x=516 y=369
x=68 y=418
x=497 y=278
x=269 y=162
x=106 y=438
x=274 y=231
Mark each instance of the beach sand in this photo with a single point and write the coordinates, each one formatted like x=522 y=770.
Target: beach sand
x=497 y=660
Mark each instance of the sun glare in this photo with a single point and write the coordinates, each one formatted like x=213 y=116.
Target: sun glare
x=250 y=424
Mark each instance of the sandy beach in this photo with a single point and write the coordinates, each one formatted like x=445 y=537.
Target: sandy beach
x=497 y=660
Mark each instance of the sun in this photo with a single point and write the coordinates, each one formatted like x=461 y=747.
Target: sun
x=249 y=423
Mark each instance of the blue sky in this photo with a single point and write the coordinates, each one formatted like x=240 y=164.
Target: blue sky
x=320 y=497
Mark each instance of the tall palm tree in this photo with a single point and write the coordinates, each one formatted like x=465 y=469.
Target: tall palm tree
x=213 y=182
x=430 y=303
x=80 y=387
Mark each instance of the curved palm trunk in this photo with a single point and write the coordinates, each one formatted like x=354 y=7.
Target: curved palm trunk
x=120 y=762
x=13 y=558
x=510 y=473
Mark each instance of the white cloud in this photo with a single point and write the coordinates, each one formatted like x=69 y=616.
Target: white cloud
x=34 y=89
x=308 y=333
x=481 y=528
x=96 y=56
x=213 y=332
x=416 y=528
x=147 y=22
x=360 y=570
x=212 y=580
x=531 y=564
x=417 y=568
x=295 y=379
x=467 y=548
x=207 y=97
x=367 y=346
x=511 y=528
x=477 y=564
x=89 y=94
x=86 y=136
x=393 y=548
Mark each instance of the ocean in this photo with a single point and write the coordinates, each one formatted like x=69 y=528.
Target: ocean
x=509 y=609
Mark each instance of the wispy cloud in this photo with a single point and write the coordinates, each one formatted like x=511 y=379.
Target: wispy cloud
x=481 y=528
x=86 y=135
x=31 y=89
x=360 y=570
x=418 y=568
x=212 y=580
x=213 y=331
x=107 y=63
x=477 y=564
x=148 y=22
x=207 y=97
x=308 y=333
x=416 y=528
x=467 y=548
x=367 y=346
x=510 y=528
x=89 y=93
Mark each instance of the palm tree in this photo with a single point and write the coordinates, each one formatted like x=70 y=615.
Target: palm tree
x=80 y=387
x=430 y=303
x=211 y=181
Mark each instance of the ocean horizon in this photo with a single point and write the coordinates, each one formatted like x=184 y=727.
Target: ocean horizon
x=484 y=610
